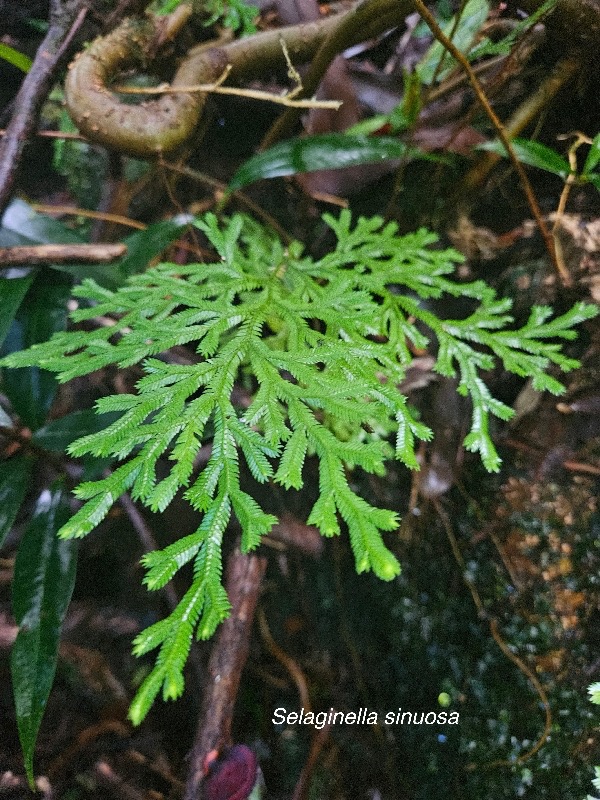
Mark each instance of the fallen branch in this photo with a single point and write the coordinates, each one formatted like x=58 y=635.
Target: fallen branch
x=37 y=255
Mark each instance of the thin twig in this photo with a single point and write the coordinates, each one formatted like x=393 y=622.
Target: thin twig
x=502 y=135
x=216 y=88
x=528 y=111
x=579 y=466
x=148 y=542
x=286 y=661
x=533 y=679
x=54 y=135
x=118 y=219
x=239 y=196
x=319 y=740
x=580 y=139
x=106 y=776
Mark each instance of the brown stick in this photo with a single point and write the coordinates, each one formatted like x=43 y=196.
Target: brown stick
x=35 y=255
x=527 y=112
x=227 y=660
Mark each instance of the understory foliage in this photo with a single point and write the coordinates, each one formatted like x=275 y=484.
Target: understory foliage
x=320 y=348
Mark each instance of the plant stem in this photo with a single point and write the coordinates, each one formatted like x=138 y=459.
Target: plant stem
x=369 y=19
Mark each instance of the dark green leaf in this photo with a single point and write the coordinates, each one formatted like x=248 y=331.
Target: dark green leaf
x=593 y=157
x=534 y=154
x=21 y=225
x=12 y=292
x=594 y=179
x=43 y=312
x=14 y=475
x=143 y=246
x=323 y=151
x=43 y=583
x=58 y=434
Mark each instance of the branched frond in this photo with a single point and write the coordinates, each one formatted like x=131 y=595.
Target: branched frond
x=325 y=343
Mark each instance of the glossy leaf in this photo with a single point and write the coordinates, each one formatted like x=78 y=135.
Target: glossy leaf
x=43 y=312
x=143 y=246
x=463 y=34
x=43 y=583
x=534 y=154
x=322 y=151
x=593 y=157
x=58 y=434
x=14 y=477
x=12 y=292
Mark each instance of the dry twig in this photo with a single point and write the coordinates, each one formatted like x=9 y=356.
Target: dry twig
x=216 y=87
x=36 y=255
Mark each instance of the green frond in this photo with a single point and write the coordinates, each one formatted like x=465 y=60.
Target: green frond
x=145 y=697
x=255 y=449
x=320 y=347
x=254 y=521
x=291 y=463
x=162 y=565
x=88 y=517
